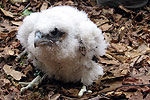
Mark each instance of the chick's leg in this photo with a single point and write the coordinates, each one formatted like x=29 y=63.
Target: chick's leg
x=21 y=54
x=35 y=82
x=83 y=90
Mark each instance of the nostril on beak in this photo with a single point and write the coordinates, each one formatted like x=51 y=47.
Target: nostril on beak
x=35 y=45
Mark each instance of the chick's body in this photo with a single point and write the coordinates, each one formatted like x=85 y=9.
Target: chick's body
x=70 y=59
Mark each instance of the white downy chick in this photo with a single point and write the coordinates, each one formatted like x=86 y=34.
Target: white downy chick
x=62 y=41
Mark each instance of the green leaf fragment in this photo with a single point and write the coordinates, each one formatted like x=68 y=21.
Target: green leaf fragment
x=26 y=12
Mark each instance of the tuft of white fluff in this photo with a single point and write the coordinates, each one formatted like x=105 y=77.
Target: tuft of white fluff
x=65 y=62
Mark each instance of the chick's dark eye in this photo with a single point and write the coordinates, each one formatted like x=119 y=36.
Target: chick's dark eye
x=54 y=33
x=47 y=35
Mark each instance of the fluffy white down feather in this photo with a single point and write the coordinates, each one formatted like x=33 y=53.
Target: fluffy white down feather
x=64 y=62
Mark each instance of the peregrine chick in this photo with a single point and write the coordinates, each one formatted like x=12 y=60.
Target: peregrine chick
x=62 y=41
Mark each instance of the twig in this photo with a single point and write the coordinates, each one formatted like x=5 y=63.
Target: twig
x=48 y=2
x=136 y=85
x=26 y=7
x=22 y=54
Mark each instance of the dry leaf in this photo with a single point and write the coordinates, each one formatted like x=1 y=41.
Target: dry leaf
x=107 y=37
x=7 y=13
x=92 y=2
x=136 y=96
x=114 y=93
x=102 y=60
x=7 y=27
x=69 y=2
x=18 y=1
x=105 y=27
x=18 y=23
x=125 y=9
x=3 y=35
x=44 y=6
x=148 y=61
x=108 y=11
x=100 y=21
x=119 y=47
x=122 y=70
x=4 y=81
x=7 y=51
x=54 y=97
x=112 y=86
x=71 y=92
x=147 y=97
x=11 y=52
x=27 y=69
x=117 y=17
x=15 y=74
x=141 y=50
x=50 y=94
x=14 y=89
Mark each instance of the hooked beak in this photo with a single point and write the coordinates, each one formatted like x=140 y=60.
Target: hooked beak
x=40 y=41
